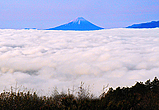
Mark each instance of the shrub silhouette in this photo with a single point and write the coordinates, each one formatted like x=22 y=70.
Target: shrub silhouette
x=141 y=96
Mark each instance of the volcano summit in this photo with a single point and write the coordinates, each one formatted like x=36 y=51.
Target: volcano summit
x=79 y=24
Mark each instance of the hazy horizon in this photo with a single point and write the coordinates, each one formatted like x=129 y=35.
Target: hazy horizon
x=40 y=14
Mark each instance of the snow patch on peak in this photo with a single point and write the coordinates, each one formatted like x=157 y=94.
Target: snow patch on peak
x=78 y=20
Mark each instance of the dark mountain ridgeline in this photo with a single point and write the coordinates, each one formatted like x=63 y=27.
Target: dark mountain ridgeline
x=152 y=24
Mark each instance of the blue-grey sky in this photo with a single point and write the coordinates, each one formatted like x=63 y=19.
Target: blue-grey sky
x=42 y=14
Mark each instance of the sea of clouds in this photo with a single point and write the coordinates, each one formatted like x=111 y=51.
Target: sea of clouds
x=44 y=59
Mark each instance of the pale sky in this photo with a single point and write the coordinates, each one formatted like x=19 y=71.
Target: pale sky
x=43 y=14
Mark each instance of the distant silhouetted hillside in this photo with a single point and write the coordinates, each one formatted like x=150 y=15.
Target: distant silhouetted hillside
x=152 y=24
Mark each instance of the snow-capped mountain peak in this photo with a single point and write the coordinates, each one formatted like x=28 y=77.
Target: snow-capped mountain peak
x=79 y=24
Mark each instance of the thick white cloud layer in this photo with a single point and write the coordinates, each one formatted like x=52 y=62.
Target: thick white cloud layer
x=42 y=59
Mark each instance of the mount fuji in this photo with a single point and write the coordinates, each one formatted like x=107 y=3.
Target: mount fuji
x=79 y=24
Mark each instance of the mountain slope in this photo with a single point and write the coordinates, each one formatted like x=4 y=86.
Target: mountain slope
x=79 y=24
x=152 y=24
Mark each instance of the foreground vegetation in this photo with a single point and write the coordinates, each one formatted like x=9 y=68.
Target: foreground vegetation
x=141 y=96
